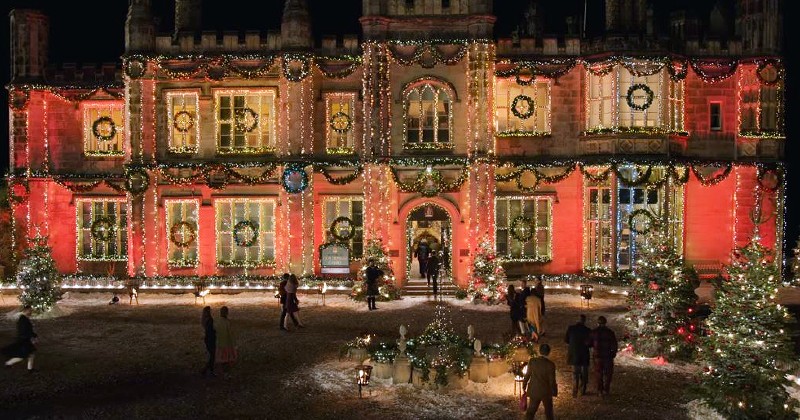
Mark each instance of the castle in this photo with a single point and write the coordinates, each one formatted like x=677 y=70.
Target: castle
x=220 y=154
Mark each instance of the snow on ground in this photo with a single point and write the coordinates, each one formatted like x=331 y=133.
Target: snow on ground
x=698 y=410
x=335 y=380
x=627 y=358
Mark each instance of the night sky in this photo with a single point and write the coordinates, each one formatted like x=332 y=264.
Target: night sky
x=94 y=32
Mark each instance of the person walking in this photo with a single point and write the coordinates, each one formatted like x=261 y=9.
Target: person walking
x=282 y=295
x=533 y=311
x=540 y=384
x=422 y=254
x=578 y=338
x=292 y=303
x=24 y=347
x=373 y=274
x=433 y=273
x=605 y=345
x=226 y=344
x=210 y=340
x=517 y=310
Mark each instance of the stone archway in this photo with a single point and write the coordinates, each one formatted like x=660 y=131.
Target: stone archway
x=444 y=211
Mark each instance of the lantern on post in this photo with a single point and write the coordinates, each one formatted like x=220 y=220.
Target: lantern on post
x=323 y=289
x=363 y=373
x=520 y=369
x=586 y=293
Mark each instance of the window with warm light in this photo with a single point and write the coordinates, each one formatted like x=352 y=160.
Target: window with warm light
x=182 y=232
x=428 y=117
x=344 y=216
x=522 y=109
x=646 y=101
x=760 y=95
x=245 y=232
x=183 y=121
x=102 y=226
x=245 y=121
x=103 y=129
x=598 y=248
x=340 y=128
x=524 y=228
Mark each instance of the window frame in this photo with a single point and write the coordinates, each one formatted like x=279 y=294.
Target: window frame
x=752 y=93
x=438 y=88
x=538 y=257
x=247 y=262
x=599 y=245
x=81 y=230
x=358 y=228
x=504 y=116
x=267 y=140
x=91 y=144
x=183 y=262
x=711 y=125
x=169 y=97
x=333 y=139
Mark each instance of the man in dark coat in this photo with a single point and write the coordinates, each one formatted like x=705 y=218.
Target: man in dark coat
x=373 y=274
x=433 y=272
x=422 y=253
x=578 y=338
x=24 y=347
x=540 y=383
x=605 y=345
x=282 y=293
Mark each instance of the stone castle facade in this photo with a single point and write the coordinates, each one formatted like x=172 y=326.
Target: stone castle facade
x=218 y=154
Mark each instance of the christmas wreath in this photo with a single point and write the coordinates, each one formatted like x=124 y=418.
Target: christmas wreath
x=103 y=228
x=291 y=184
x=137 y=181
x=523 y=115
x=246 y=120
x=186 y=231
x=337 y=226
x=135 y=67
x=241 y=230
x=341 y=122
x=183 y=121
x=104 y=128
x=641 y=216
x=521 y=228
x=647 y=102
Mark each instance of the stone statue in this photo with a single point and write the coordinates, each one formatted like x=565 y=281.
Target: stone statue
x=470 y=332
x=403 y=332
x=477 y=347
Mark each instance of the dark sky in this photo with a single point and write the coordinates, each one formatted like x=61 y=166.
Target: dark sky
x=93 y=32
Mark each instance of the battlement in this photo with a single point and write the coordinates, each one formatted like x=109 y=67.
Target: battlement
x=86 y=73
x=544 y=46
x=219 y=42
x=713 y=48
x=334 y=45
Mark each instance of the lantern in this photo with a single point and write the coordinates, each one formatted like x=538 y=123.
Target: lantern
x=323 y=289
x=520 y=369
x=363 y=373
x=586 y=293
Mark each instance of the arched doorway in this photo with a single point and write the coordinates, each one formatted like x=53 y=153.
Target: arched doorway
x=428 y=225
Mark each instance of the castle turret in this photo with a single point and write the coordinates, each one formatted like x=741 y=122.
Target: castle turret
x=759 y=24
x=626 y=16
x=29 y=37
x=139 y=28
x=188 y=14
x=296 y=26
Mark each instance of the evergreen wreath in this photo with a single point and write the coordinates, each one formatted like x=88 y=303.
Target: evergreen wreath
x=103 y=228
x=522 y=115
x=647 y=102
x=335 y=229
x=341 y=122
x=137 y=181
x=246 y=120
x=183 y=121
x=637 y=215
x=286 y=178
x=107 y=124
x=520 y=222
x=238 y=230
x=179 y=228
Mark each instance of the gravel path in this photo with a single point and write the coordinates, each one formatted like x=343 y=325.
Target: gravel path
x=101 y=361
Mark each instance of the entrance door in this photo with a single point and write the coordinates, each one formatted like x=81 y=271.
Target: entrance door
x=428 y=229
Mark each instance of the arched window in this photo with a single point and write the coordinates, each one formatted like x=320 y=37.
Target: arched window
x=428 y=116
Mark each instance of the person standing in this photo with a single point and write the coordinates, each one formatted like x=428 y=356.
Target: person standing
x=605 y=345
x=282 y=294
x=292 y=303
x=226 y=344
x=578 y=337
x=433 y=272
x=533 y=311
x=210 y=340
x=538 y=289
x=540 y=384
x=373 y=275
x=517 y=310
x=422 y=254
x=24 y=347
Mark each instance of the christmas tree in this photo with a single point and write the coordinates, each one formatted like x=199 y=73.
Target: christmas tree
x=796 y=264
x=661 y=301
x=747 y=353
x=38 y=278
x=387 y=285
x=488 y=279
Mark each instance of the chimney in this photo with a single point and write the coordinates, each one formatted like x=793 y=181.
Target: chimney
x=187 y=16
x=296 y=26
x=29 y=36
x=139 y=27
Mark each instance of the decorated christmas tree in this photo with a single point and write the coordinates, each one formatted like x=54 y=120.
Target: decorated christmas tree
x=662 y=301
x=387 y=285
x=487 y=282
x=747 y=352
x=796 y=264
x=38 y=278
